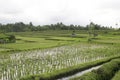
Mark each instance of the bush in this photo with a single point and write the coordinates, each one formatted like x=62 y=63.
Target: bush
x=7 y=39
x=12 y=38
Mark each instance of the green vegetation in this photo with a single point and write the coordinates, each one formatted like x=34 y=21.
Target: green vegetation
x=69 y=71
x=106 y=72
x=38 y=40
x=117 y=76
x=21 y=27
x=7 y=39
x=52 y=54
x=48 y=39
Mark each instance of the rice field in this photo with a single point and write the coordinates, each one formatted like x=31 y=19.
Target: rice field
x=14 y=66
x=44 y=54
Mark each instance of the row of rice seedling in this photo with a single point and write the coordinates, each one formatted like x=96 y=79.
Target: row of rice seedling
x=18 y=65
x=105 y=72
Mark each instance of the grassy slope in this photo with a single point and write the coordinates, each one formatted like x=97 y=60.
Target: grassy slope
x=106 y=72
x=117 y=76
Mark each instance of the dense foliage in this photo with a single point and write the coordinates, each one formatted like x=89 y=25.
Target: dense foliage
x=7 y=38
x=21 y=27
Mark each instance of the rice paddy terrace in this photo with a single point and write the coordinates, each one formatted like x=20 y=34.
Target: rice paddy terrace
x=51 y=55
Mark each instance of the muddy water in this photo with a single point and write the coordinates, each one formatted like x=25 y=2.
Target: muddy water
x=80 y=73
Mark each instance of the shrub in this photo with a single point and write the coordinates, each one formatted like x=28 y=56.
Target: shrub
x=7 y=39
x=12 y=38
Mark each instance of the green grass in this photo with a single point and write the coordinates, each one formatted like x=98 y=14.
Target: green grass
x=39 y=40
x=47 y=39
x=117 y=76
x=106 y=72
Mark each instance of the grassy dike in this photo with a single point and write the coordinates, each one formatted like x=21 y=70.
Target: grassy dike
x=106 y=72
x=117 y=76
x=72 y=70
